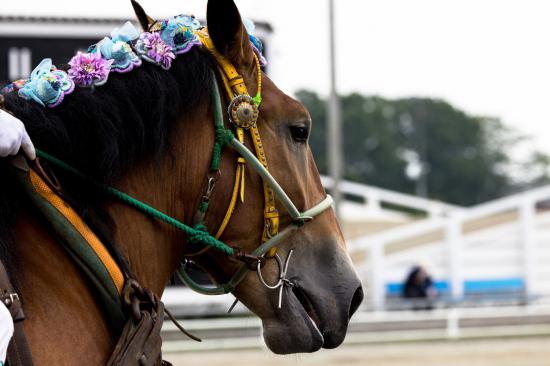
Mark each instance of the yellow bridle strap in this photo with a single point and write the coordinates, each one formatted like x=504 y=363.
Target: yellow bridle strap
x=238 y=186
x=234 y=85
x=231 y=77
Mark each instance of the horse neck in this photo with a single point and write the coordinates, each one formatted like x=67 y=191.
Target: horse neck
x=172 y=183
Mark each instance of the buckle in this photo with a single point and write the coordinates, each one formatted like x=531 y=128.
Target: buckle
x=9 y=299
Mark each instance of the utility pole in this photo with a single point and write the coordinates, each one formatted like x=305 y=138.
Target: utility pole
x=334 y=136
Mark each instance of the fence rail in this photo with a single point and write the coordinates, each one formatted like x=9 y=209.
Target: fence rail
x=376 y=327
x=528 y=220
x=373 y=198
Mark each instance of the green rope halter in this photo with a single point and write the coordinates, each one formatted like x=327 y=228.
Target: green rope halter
x=223 y=138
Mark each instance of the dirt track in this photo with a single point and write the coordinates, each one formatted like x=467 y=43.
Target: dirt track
x=504 y=352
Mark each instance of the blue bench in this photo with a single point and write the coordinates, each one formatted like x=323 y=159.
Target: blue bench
x=471 y=287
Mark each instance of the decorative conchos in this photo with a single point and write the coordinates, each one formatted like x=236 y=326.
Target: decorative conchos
x=243 y=111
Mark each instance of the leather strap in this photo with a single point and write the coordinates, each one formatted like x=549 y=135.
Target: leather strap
x=234 y=79
x=19 y=353
x=235 y=86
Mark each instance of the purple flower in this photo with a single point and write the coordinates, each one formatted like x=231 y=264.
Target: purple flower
x=89 y=69
x=153 y=49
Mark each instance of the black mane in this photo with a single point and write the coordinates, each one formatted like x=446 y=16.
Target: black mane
x=103 y=131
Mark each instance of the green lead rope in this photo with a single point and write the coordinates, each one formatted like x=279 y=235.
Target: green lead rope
x=195 y=235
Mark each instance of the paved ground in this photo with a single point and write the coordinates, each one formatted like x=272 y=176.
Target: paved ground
x=505 y=352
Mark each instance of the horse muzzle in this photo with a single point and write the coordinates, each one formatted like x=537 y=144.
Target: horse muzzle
x=317 y=305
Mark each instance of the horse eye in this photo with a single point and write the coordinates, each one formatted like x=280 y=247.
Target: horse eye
x=299 y=133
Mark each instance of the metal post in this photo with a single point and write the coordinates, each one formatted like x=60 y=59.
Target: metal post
x=527 y=212
x=334 y=137
x=373 y=205
x=453 y=240
x=378 y=276
x=453 y=324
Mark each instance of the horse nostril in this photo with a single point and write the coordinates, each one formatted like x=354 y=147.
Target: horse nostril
x=356 y=301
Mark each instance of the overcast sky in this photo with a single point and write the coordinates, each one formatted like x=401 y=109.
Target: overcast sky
x=488 y=57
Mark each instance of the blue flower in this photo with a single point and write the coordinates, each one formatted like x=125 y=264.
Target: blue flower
x=255 y=42
x=179 y=33
x=126 y=33
x=188 y=20
x=118 y=49
x=47 y=86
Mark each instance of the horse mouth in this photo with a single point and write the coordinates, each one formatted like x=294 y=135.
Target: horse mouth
x=306 y=303
x=310 y=316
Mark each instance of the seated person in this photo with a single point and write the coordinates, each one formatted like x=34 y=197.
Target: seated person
x=420 y=288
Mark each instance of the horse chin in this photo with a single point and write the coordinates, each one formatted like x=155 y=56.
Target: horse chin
x=316 y=309
x=294 y=330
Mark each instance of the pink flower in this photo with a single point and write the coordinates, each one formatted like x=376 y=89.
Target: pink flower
x=153 y=49
x=89 y=69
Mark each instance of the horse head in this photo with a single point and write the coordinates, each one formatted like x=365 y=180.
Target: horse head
x=322 y=290
x=151 y=134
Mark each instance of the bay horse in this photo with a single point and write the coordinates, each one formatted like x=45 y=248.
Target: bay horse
x=150 y=134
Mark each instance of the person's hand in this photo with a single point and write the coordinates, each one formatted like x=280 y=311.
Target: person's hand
x=14 y=137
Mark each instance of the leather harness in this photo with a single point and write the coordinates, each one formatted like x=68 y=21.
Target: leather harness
x=18 y=350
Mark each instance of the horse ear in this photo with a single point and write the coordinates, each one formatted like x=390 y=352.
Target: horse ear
x=145 y=20
x=228 y=32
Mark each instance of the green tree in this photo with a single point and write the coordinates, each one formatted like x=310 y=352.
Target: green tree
x=422 y=146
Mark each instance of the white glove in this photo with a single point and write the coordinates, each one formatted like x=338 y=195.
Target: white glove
x=6 y=331
x=14 y=137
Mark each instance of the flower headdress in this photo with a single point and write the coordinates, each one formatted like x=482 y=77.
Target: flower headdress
x=122 y=52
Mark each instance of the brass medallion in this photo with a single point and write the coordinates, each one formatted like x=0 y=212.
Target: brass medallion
x=243 y=111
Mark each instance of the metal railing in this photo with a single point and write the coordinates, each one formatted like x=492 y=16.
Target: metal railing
x=453 y=229
x=374 y=198
x=375 y=327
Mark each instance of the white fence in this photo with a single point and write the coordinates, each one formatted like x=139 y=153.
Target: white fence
x=514 y=219
x=374 y=198
x=373 y=327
